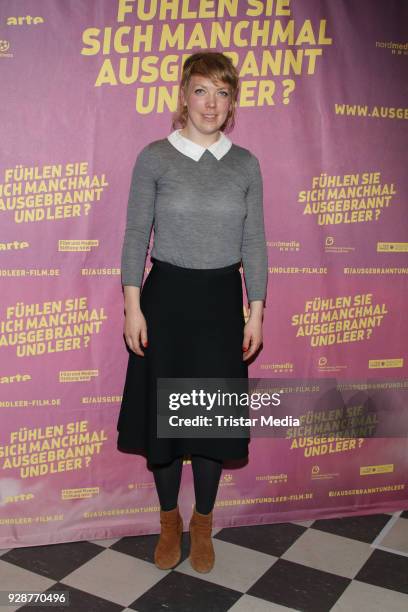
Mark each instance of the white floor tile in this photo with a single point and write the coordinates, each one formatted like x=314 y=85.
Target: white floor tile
x=247 y=602
x=115 y=576
x=303 y=523
x=396 y=538
x=329 y=552
x=359 y=597
x=105 y=543
x=235 y=567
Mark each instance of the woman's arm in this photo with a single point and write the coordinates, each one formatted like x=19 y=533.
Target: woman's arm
x=132 y=299
x=139 y=221
x=139 y=218
x=253 y=329
x=254 y=260
x=135 y=327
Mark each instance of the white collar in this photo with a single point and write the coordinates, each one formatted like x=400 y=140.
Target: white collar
x=219 y=148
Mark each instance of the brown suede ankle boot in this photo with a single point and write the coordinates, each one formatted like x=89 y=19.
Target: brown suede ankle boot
x=202 y=554
x=168 y=549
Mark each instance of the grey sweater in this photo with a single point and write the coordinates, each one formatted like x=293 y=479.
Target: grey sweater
x=206 y=213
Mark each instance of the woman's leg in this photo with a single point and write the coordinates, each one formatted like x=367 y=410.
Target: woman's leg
x=167 y=478
x=207 y=473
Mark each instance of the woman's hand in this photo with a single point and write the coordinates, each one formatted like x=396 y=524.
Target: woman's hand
x=253 y=330
x=135 y=331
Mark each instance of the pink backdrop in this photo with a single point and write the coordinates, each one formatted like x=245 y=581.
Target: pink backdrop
x=86 y=85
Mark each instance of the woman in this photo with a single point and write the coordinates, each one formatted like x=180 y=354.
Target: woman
x=204 y=195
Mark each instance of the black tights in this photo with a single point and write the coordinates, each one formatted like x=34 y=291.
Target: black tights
x=206 y=473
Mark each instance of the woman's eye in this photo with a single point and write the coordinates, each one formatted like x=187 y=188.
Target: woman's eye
x=224 y=93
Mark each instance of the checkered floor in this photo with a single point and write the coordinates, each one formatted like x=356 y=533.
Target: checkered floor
x=351 y=564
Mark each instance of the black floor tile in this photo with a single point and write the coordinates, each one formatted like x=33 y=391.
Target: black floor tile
x=300 y=587
x=79 y=601
x=179 y=591
x=143 y=547
x=362 y=528
x=54 y=560
x=269 y=539
x=386 y=570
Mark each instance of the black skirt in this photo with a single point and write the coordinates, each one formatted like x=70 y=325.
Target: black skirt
x=195 y=324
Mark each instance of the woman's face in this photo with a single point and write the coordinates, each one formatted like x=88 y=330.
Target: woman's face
x=207 y=103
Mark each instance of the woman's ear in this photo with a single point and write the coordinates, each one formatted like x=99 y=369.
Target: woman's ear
x=182 y=98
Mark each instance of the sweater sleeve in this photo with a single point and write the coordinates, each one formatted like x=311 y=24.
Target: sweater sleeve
x=139 y=219
x=254 y=250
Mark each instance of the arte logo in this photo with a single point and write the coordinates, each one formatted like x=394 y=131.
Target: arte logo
x=12 y=246
x=14 y=378
x=24 y=20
